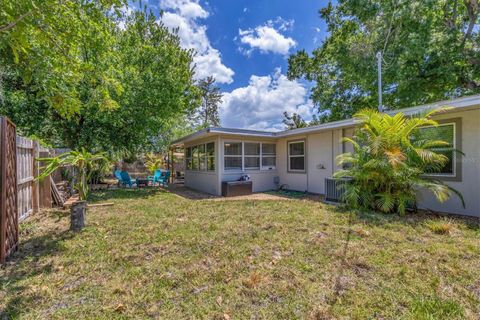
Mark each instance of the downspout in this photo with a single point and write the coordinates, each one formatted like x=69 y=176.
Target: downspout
x=307 y=153
x=333 y=154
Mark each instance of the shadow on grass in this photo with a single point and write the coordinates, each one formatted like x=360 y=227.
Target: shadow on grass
x=27 y=263
x=125 y=193
x=290 y=194
x=373 y=218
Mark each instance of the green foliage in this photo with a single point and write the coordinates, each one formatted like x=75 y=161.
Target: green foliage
x=207 y=113
x=55 y=46
x=153 y=162
x=430 y=51
x=129 y=86
x=388 y=165
x=295 y=121
x=430 y=308
x=440 y=226
x=84 y=162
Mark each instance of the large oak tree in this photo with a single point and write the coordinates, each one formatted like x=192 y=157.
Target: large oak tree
x=119 y=84
x=430 y=49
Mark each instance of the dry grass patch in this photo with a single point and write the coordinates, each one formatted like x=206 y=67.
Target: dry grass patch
x=155 y=255
x=441 y=226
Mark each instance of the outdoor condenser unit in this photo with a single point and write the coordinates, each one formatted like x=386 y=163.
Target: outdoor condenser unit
x=335 y=188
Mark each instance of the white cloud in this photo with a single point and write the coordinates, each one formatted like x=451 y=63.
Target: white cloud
x=267 y=37
x=261 y=104
x=184 y=15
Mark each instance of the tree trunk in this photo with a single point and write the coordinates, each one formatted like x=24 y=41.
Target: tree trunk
x=77 y=215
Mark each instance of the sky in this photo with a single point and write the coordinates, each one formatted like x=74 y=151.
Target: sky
x=245 y=45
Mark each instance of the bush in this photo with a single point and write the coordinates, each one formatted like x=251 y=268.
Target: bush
x=440 y=226
x=388 y=165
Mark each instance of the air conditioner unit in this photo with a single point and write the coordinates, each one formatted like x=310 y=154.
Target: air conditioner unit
x=335 y=188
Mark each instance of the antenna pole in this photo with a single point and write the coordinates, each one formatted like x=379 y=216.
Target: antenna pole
x=379 y=67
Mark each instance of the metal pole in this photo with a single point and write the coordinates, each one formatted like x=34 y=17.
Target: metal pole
x=379 y=66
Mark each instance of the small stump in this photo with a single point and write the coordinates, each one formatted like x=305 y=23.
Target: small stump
x=78 y=212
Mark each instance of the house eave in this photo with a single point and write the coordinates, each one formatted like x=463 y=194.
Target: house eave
x=464 y=103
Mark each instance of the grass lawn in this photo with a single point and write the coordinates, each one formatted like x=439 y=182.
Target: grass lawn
x=156 y=255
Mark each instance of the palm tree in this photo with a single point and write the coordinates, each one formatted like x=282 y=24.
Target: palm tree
x=83 y=161
x=390 y=161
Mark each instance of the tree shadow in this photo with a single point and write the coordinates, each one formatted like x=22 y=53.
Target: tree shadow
x=27 y=262
x=374 y=218
x=125 y=193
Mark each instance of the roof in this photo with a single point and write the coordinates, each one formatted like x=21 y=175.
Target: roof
x=455 y=104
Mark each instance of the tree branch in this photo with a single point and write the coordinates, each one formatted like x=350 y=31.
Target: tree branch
x=472 y=9
x=14 y=23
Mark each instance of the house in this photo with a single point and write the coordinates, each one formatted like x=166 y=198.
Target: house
x=301 y=159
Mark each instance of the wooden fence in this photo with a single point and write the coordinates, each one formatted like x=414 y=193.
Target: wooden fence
x=8 y=196
x=20 y=193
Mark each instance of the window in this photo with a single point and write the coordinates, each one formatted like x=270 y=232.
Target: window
x=269 y=159
x=249 y=156
x=296 y=156
x=202 y=164
x=210 y=156
x=188 y=158
x=252 y=155
x=195 y=164
x=444 y=132
x=233 y=155
x=200 y=157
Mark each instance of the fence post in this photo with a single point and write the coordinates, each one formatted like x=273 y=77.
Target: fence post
x=8 y=189
x=3 y=191
x=44 y=187
x=35 y=184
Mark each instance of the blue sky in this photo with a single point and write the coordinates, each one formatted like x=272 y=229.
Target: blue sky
x=245 y=46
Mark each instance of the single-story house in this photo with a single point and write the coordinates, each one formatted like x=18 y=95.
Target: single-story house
x=301 y=159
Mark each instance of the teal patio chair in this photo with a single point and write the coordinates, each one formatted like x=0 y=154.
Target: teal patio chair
x=156 y=177
x=118 y=175
x=126 y=180
x=161 y=177
x=164 y=178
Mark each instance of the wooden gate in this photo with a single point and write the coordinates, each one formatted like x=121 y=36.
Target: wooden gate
x=8 y=189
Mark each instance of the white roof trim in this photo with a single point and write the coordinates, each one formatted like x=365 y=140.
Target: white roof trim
x=455 y=104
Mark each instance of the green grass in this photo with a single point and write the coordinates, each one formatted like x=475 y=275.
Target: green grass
x=156 y=255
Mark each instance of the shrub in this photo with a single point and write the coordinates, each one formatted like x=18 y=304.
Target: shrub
x=440 y=226
x=388 y=164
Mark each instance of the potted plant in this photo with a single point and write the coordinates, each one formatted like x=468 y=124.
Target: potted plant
x=84 y=163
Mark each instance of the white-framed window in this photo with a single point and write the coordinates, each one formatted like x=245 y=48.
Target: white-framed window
x=202 y=161
x=195 y=164
x=247 y=155
x=188 y=158
x=269 y=156
x=200 y=157
x=251 y=155
x=233 y=155
x=296 y=156
x=210 y=150
x=444 y=132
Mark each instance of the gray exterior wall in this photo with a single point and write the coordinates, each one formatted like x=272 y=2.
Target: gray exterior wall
x=206 y=181
x=324 y=146
x=469 y=184
x=263 y=180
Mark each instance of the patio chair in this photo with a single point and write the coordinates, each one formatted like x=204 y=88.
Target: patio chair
x=164 y=178
x=156 y=177
x=118 y=176
x=126 y=180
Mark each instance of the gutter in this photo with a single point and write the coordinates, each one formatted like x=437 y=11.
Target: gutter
x=468 y=102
